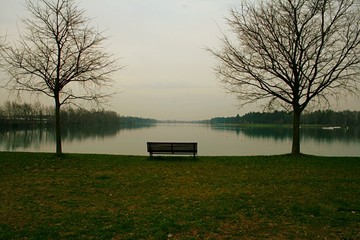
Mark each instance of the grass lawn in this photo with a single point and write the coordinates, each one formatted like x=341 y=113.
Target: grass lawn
x=83 y=196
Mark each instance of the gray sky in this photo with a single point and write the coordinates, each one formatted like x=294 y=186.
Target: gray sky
x=167 y=74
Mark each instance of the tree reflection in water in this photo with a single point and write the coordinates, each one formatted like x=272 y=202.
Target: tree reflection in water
x=284 y=133
x=14 y=139
x=212 y=139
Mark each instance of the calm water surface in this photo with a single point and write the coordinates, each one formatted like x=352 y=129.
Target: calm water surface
x=212 y=140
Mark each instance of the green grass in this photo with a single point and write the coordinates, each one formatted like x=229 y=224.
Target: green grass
x=83 y=196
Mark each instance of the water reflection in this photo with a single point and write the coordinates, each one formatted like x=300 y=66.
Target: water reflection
x=331 y=135
x=14 y=139
x=276 y=133
x=83 y=132
x=284 y=133
x=37 y=138
x=212 y=139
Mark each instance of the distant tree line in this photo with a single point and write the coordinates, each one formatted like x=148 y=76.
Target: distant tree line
x=13 y=114
x=320 y=117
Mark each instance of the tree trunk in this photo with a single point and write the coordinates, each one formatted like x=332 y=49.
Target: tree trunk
x=57 y=125
x=296 y=132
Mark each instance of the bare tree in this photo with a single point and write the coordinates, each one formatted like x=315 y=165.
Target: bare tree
x=291 y=53
x=2 y=46
x=59 y=55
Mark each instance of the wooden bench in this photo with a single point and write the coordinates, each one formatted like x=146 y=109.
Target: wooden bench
x=172 y=148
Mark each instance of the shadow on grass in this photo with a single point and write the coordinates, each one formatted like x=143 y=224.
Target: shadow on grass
x=173 y=158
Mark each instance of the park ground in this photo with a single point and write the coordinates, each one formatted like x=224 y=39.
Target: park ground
x=85 y=196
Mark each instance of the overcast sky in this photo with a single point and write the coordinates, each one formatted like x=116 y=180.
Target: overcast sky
x=168 y=73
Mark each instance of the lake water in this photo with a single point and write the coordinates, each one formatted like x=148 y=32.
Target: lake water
x=212 y=140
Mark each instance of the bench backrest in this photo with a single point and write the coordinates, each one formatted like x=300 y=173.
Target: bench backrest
x=175 y=147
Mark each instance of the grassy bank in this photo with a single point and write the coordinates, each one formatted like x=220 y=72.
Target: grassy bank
x=133 y=197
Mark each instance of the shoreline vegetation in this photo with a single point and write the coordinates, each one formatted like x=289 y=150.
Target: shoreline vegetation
x=94 y=196
x=23 y=115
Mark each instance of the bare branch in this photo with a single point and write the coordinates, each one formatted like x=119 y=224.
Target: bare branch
x=296 y=51
x=291 y=53
x=60 y=55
